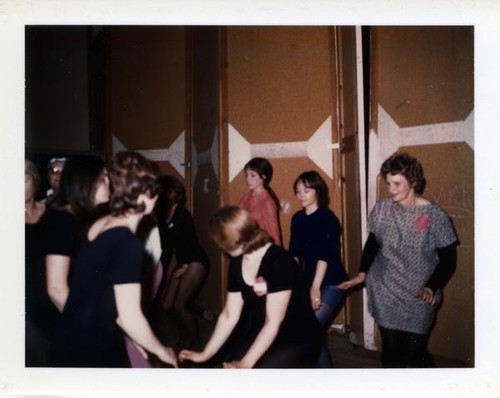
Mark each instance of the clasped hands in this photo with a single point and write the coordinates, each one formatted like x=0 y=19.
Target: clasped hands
x=196 y=356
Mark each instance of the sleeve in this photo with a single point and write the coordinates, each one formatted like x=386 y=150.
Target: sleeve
x=374 y=217
x=60 y=234
x=444 y=269
x=126 y=260
x=234 y=275
x=329 y=233
x=369 y=252
x=281 y=273
x=442 y=229
x=293 y=244
x=269 y=219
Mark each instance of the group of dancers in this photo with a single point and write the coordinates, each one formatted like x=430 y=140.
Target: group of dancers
x=89 y=287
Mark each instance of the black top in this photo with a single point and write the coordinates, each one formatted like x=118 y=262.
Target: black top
x=88 y=335
x=39 y=307
x=61 y=233
x=178 y=236
x=316 y=237
x=280 y=272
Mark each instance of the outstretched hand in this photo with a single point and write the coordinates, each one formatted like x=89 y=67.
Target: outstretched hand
x=180 y=271
x=234 y=365
x=167 y=355
x=357 y=280
x=193 y=356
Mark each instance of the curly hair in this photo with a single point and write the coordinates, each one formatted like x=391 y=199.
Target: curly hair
x=131 y=175
x=311 y=179
x=407 y=166
x=31 y=170
x=232 y=227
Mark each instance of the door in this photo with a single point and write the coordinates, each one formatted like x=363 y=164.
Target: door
x=349 y=162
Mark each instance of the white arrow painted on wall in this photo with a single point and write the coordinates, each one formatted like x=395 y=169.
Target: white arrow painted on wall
x=390 y=137
x=175 y=154
x=318 y=148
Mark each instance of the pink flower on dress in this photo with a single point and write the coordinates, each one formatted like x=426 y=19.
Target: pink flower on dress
x=260 y=287
x=422 y=222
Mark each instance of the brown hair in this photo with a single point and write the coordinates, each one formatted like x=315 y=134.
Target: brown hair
x=407 y=166
x=231 y=227
x=131 y=175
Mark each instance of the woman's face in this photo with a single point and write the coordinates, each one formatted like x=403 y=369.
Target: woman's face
x=254 y=182
x=29 y=187
x=55 y=171
x=400 y=189
x=101 y=193
x=149 y=203
x=306 y=196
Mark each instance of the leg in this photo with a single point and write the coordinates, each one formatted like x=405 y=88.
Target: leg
x=297 y=356
x=187 y=287
x=419 y=357
x=331 y=300
x=394 y=348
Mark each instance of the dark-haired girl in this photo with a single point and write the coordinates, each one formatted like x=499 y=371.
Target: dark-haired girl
x=407 y=259
x=260 y=200
x=179 y=238
x=315 y=243
x=106 y=277
x=265 y=288
x=83 y=188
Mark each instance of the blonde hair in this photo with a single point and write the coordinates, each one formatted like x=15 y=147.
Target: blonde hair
x=31 y=170
x=232 y=227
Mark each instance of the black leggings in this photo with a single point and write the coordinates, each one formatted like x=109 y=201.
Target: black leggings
x=404 y=349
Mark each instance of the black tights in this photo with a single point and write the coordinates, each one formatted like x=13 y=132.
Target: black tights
x=403 y=349
x=178 y=296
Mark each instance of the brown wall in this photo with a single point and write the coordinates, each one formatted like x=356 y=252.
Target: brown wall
x=205 y=173
x=279 y=90
x=424 y=76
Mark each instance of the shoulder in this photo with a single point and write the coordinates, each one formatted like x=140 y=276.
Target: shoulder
x=245 y=198
x=437 y=210
x=299 y=215
x=382 y=204
x=277 y=255
x=181 y=215
x=121 y=236
x=59 y=218
x=326 y=212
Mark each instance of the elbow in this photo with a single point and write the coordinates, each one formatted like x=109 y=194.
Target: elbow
x=58 y=296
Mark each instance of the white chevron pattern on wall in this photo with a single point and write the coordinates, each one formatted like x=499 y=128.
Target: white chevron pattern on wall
x=318 y=148
x=176 y=154
x=390 y=137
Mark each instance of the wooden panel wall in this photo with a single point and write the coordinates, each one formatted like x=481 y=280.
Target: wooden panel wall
x=279 y=91
x=147 y=87
x=423 y=102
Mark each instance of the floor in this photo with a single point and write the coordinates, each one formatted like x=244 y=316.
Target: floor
x=345 y=354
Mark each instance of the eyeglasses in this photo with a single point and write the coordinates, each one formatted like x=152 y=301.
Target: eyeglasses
x=55 y=170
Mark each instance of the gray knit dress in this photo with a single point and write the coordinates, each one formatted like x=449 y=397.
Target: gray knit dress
x=408 y=237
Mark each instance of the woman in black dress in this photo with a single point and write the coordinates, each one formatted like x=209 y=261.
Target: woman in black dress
x=265 y=289
x=41 y=315
x=178 y=236
x=106 y=277
x=83 y=187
